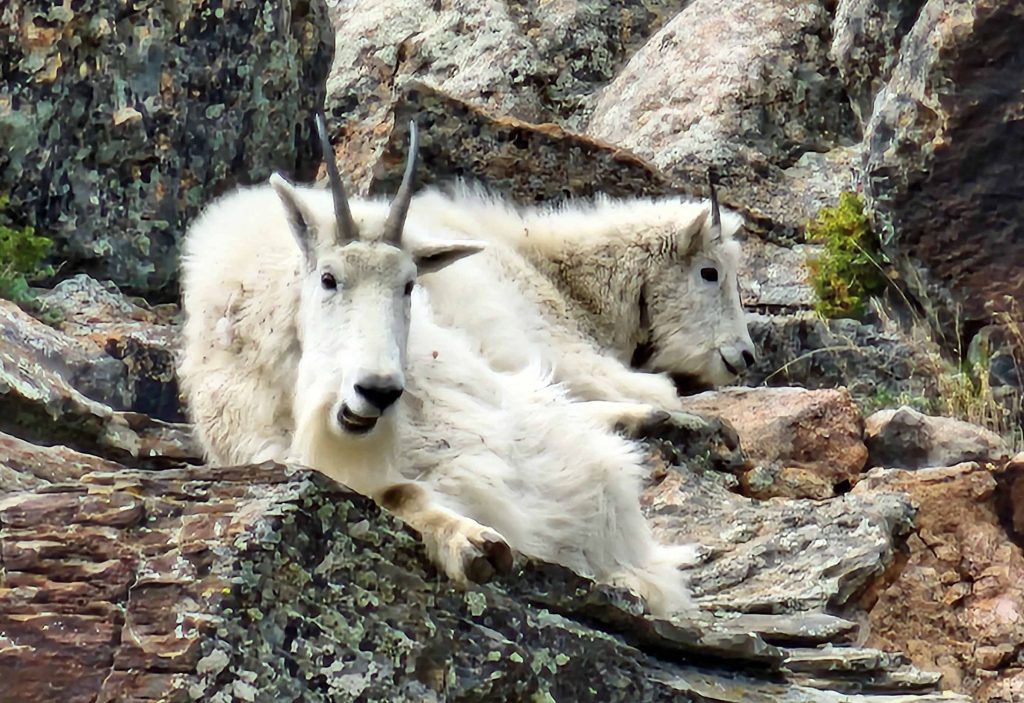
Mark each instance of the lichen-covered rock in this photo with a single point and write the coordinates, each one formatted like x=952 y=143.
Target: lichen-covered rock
x=903 y=438
x=866 y=39
x=260 y=584
x=943 y=150
x=119 y=123
x=956 y=604
x=803 y=443
x=744 y=87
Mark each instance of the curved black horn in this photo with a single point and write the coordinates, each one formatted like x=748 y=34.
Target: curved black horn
x=400 y=205
x=345 y=228
x=716 y=214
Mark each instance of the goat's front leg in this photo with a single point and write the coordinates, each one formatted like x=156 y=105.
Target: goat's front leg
x=463 y=548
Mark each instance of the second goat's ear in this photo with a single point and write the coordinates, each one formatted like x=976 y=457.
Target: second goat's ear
x=298 y=219
x=434 y=256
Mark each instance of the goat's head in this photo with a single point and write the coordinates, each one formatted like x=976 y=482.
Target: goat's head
x=690 y=306
x=358 y=276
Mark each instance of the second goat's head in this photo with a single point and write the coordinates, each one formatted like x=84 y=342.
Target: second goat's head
x=358 y=274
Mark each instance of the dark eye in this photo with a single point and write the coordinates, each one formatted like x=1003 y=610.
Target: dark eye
x=408 y=287
x=328 y=282
x=709 y=274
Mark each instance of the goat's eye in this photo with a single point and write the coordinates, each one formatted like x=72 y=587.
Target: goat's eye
x=328 y=282
x=709 y=274
x=409 y=287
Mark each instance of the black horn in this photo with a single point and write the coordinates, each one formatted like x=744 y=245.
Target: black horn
x=400 y=205
x=716 y=214
x=345 y=226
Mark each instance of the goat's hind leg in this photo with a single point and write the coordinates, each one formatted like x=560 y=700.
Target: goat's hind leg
x=463 y=548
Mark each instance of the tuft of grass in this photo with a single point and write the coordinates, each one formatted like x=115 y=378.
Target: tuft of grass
x=21 y=258
x=850 y=270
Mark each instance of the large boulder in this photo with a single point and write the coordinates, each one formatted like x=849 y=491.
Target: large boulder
x=903 y=438
x=746 y=88
x=118 y=125
x=803 y=443
x=943 y=150
x=537 y=62
x=955 y=604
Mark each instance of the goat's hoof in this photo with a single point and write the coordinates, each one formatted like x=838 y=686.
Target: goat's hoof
x=488 y=555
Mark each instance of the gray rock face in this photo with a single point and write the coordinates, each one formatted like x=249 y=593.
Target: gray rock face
x=866 y=39
x=943 y=151
x=744 y=87
x=903 y=438
x=534 y=61
x=119 y=125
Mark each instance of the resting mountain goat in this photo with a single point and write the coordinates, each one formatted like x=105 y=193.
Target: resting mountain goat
x=593 y=289
x=307 y=341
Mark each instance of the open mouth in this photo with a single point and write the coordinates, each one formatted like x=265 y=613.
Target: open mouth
x=729 y=367
x=356 y=424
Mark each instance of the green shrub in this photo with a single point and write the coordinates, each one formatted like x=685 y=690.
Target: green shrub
x=21 y=257
x=849 y=271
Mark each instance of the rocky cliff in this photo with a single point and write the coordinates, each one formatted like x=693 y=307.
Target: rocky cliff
x=850 y=556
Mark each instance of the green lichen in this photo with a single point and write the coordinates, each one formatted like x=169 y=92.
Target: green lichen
x=850 y=269
x=21 y=257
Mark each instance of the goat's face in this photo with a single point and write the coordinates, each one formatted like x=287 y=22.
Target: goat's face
x=355 y=306
x=691 y=309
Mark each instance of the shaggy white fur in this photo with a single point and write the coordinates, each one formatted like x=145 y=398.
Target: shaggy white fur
x=472 y=457
x=583 y=286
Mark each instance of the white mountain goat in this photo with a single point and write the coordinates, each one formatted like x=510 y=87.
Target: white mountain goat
x=592 y=290
x=306 y=341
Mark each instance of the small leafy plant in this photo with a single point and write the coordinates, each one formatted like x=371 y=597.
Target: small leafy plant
x=21 y=256
x=850 y=270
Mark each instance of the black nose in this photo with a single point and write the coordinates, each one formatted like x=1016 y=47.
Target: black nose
x=748 y=357
x=379 y=396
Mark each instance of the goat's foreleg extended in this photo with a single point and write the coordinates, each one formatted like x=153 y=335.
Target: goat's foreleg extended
x=463 y=548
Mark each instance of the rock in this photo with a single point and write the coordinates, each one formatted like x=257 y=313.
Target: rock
x=526 y=162
x=957 y=599
x=118 y=126
x=804 y=444
x=777 y=556
x=866 y=38
x=255 y=583
x=24 y=465
x=879 y=365
x=143 y=338
x=44 y=378
x=536 y=62
x=906 y=439
x=744 y=87
x=774 y=278
x=943 y=149
x=1010 y=498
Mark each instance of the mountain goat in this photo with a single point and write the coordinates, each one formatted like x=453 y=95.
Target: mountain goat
x=307 y=340
x=593 y=290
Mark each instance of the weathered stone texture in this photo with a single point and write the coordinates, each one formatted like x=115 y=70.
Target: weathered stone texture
x=957 y=604
x=534 y=61
x=866 y=39
x=744 y=87
x=803 y=444
x=943 y=151
x=118 y=125
x=903 y=438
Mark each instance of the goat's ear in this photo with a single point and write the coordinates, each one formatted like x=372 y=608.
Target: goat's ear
x=434 y=256
x=691 y=240
x=298 y=219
